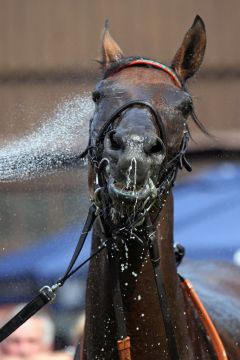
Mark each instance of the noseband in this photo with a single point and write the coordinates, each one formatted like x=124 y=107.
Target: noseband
x=129 y=104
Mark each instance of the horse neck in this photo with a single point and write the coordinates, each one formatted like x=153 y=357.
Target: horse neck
x=140 y=294
x=142 y=310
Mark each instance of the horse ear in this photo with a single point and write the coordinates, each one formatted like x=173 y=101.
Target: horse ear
x=190 y=55
x=111 y=51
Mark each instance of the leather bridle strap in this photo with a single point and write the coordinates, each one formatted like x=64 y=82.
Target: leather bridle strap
x=166 y=313
x=45 y=295
x=123 y=342
x=87 y=226
x=124 y=107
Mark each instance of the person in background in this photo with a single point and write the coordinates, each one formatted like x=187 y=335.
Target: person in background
x=34 y=340
x=77 y=336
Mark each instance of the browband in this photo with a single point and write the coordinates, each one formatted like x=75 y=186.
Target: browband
x=148 y=62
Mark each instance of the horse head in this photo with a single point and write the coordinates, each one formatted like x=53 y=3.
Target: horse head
x=140 y=121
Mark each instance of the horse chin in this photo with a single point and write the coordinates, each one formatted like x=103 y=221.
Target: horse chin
x=130 y=194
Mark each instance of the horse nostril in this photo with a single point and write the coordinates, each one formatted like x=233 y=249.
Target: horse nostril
x=115 y=142
x=154 y=147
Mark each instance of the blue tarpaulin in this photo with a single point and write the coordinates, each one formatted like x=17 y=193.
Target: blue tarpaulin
x=24 y=272
x=207 y=209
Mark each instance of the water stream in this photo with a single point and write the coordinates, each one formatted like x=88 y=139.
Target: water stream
x=54 y=145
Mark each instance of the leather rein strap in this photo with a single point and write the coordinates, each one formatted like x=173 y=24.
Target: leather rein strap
x=166 y=313
x=47 y=294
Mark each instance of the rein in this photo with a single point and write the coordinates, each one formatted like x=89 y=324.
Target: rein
x=48 y=293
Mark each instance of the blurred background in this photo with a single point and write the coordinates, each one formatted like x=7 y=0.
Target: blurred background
x=48 y=52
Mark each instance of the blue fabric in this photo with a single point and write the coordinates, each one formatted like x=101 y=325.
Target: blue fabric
x=207 y=212
x=48 y=259
x=24 y=272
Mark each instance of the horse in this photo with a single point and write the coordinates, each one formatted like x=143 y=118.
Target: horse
x=137 y=142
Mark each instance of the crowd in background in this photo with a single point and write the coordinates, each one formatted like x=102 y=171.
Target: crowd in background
x=35 y=339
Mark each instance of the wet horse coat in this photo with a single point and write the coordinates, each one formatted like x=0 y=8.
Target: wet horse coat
x=128 y=165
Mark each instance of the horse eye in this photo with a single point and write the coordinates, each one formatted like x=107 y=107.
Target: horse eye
x=186 y=108
x=96 y=96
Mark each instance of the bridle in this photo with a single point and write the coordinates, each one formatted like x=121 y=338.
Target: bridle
x=169 y=168
x=168 y=173
x=166 y=180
